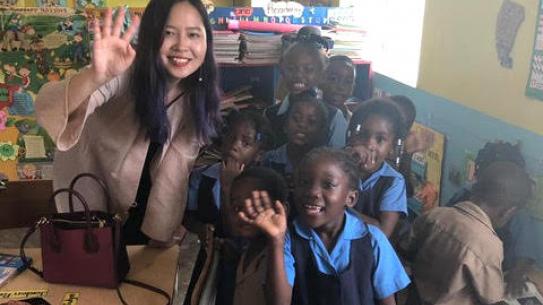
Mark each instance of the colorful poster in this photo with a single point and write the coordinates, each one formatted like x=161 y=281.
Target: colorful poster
x=534 y=88
x=37 y=45
x=426 y=170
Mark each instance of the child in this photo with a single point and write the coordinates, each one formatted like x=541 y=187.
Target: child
x=338 y=83
x=328 y=255
x=410 y=144
x=301 y=66
x=247 y=137
x=457 y=255
x=490 y=153
x=373 y=132
x=234 y=259
x=304 y=128
x=407 y=108
x=251 y=270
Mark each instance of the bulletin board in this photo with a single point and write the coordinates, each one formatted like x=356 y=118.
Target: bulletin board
x=37 y=45
x=40 y=41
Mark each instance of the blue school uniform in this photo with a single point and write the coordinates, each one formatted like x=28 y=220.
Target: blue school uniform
x=204 y=194
x=383 y=191
x=337 y=123
x=277 y=160
x=377 y=260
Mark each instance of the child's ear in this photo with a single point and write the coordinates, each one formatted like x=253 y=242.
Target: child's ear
x=352 y=198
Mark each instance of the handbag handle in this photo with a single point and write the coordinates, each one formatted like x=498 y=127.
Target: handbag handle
x=99 y=181
x=91 y=242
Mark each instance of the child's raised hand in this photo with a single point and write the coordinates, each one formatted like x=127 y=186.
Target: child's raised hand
x=112 y=53
x=364 y=157
x=229 y=170
x=268 y=217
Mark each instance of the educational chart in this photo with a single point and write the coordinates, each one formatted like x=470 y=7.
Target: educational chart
x=426 y=169
x=37 y=45
x=534 y=88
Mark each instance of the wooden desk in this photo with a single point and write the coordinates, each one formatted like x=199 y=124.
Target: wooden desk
x=157 y=267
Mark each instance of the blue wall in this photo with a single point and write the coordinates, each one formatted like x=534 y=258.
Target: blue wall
x=466 y=130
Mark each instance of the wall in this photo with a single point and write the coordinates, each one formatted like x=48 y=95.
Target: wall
x=459 y=60
x=466 y=130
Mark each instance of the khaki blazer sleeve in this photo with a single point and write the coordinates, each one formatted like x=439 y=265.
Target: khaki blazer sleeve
x=486 y=279
x=52 y=110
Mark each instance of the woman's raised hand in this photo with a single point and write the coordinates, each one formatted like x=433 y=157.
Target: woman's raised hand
x=112 y=53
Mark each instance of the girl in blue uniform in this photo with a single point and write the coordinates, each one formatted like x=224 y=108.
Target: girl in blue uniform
x=328 y=255
x=374 y=130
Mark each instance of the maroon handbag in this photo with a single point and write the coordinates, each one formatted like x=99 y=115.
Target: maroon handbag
x=81 y=248
x=84 y=248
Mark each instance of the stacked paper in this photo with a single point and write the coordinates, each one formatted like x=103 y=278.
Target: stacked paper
x=348 y=41
x=260 y=47
x=226 y=46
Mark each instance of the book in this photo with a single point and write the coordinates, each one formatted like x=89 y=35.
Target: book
x=10 y=266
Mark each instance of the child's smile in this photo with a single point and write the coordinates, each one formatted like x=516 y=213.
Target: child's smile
x=338 y=83
x=322 y=193
x=301 y=71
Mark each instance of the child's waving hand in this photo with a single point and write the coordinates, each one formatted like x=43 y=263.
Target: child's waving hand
x=268 y=217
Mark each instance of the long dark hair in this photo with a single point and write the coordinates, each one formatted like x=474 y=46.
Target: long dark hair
x=148 y=80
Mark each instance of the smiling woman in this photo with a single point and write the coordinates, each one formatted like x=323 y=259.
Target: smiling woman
x=137 y=116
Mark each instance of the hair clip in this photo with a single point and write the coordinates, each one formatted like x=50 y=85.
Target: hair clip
x=356 y=130
x=259 y=136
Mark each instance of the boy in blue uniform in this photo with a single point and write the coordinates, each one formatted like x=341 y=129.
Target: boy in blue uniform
x=374 y=129
x=247 y=137
x=305 y=128
x=329 y=255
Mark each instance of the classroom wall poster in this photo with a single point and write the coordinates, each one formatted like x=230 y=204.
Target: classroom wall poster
x=534 y=88
x=426 y=169
x=37 y=45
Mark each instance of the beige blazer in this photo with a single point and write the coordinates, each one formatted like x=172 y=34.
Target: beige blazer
x=103 y=136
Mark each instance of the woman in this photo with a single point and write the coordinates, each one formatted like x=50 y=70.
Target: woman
x=137 y=117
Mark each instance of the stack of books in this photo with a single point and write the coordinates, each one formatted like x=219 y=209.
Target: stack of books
x=260 y=48
x=226 y=46
x=348 y=41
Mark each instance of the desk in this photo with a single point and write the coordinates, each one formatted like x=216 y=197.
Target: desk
x=157 y=267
